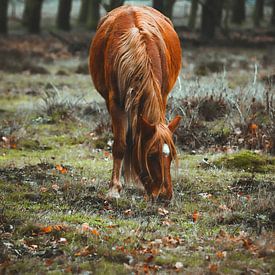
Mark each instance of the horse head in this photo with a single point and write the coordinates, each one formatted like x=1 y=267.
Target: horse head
x=157 y=150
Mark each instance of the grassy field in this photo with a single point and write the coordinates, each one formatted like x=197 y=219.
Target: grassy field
x=55 y=167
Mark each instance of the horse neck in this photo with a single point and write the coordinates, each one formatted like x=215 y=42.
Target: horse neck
x=151 y=105
x=151 y=108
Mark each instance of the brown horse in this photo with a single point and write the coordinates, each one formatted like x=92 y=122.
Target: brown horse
x=135 y=59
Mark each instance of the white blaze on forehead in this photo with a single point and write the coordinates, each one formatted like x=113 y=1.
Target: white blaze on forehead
x=165 y=149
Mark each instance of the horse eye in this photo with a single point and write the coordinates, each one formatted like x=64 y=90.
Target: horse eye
x=153 y=156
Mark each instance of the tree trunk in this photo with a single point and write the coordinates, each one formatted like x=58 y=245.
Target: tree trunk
x=63 y=15
x=193 y=14
x=4 y=16
x=226 y=16
x=219 y=8
x=93 y=14
x=158 y=5
x=25 y=14
x=83 y=13
x=238 y=11
x=210 y=19
x=258 y=12
x=168 y=8
x=32 y=15
x=273 y=14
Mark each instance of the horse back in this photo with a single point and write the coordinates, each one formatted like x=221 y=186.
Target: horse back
x=161 y=49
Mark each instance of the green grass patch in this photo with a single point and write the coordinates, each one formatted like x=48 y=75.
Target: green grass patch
x=247 y=161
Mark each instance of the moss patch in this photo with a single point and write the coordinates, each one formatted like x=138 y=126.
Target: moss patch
x=248 y=161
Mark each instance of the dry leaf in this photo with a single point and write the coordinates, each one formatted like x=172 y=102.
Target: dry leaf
x=33 y=246
x=195 y=216
x=221 y=254
x=95 y=232
x=62 y=240
x=167 y=222
x=50 y=228
x=178 y=265
x=49 y=262
x=253 y=128
x=55 y=187
x=43 y=189
x=85 y=227
x=87 y=250
x=47 y=229
x=149 y=258
x=61 y=169
x=224 y=208
x=163 y=211
x=128 y=212
x=213 y=268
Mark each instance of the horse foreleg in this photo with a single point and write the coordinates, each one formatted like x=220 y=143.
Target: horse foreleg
x=119 y=125
x=167 y=189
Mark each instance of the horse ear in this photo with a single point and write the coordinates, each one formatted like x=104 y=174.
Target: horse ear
x=147 y=129
x=173 y=125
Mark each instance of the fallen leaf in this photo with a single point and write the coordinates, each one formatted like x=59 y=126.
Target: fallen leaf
x=85 y=251
x=145 y=268
x=62 y=240
x=253 y=128
x=10 y=142
x=61 y=169
x=248 y=197
x=43 y=189
x=107 y=154
x=119 y=248
x=178 y=265
x=221 y=254
x=149 y=258
x=213 y=268
x=128 y=212
x=55 y=187
x=51 y=228
x=163 y=211
x=85 y=227
x=223 y=233
x=224 y=208
x=95 y=232
x=248 y=244
x=47 y=229
x=167 y=222
x=49 y=262
x=205 y=195
x=13 y=145
x=253 y=271
x=195 y=216
x=5 y=139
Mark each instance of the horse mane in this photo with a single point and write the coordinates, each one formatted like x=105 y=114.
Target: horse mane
x=137 y=81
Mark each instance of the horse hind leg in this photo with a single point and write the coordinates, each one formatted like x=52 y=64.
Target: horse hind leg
x=119 y=126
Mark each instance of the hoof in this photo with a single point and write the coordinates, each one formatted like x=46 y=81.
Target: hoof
x=113 y=194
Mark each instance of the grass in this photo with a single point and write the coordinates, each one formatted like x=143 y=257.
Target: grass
x=128 y=231
x=54 y=177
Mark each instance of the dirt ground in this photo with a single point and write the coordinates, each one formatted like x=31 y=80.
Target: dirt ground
x=55 y=166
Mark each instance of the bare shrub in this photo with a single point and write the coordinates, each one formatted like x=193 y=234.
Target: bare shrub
x=57 y=107
x=247 y=113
